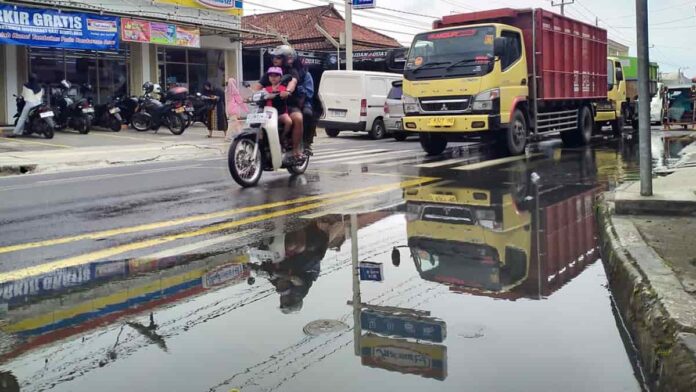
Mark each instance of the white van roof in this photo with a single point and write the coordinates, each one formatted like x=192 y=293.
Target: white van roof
x=367 y=73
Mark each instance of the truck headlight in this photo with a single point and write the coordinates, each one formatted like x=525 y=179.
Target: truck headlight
x=411 y=105
x=483 y=102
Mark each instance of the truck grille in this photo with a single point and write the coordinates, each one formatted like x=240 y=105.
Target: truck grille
x=451 y=104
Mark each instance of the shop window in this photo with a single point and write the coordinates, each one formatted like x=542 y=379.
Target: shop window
x=198 y=56
x=176 y=74
x=172 y=55
x=198 y=75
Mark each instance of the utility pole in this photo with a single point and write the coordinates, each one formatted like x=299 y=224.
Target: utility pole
x=646 y=188
x=562 y=4
x=349 y=35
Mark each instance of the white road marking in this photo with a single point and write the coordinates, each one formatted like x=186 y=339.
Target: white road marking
x=181 y=250
x=337 y=209
x=330 y=152
x=380 y=157
x=495 y=162
x=349 y=155
x=445 y=163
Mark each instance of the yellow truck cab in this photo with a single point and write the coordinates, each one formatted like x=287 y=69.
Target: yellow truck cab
x=511 y=75
x=611 y=112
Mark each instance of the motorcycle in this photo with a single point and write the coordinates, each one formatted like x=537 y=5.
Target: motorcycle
x=152 y=114
x=108 y=115
x=201 y=105
x=74 y=112
x=39 y=121
x=259 y=147
x=127 y=105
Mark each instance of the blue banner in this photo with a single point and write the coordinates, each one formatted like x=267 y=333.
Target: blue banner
x=42 y=27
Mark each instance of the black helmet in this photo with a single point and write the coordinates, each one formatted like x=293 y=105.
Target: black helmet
x=284 y=51
x=148 y=87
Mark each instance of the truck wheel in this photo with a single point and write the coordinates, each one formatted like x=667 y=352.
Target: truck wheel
x=582 y=135
x=617 y=126
x=515 y=136
x=378 y=131
x=332 y=132
x=433 y=143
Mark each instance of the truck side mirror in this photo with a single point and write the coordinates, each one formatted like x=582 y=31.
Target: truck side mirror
x=500 y=47
x=396 y=257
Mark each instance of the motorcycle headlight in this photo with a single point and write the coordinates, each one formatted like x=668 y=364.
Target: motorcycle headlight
x=484 y=101
x=411 y=105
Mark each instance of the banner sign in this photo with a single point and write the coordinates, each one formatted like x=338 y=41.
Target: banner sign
x=43 y=27
x=371 y=271
x=425 y=360
x=232 y=7
x=364 y=4
x=133 y=30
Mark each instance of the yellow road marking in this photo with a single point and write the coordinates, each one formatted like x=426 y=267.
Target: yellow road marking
x=18 y=140
x=105 y=253
x=193 y=219
x=495 y=162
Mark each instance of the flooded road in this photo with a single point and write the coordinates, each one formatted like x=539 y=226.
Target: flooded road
x=483 y=277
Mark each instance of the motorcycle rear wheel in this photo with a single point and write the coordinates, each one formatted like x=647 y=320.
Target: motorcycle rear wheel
x=82 y=126
x=141 y=123
x=177 y=124
x=245 y=169
x=115 y=125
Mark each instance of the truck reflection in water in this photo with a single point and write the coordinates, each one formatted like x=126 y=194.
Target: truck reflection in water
x=497 y=242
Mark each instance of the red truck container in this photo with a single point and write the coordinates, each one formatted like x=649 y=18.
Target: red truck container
x=571 y=56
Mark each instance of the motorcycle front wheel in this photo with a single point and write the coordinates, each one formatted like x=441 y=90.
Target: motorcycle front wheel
x=141 y=123
x=82 y=125
x=244 y=167
x=48 y=129
x=297 y=170
x=177 y=124
x=116 y=123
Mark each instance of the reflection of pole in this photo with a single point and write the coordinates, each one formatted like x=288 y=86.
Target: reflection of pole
x=537 y=228
x=357 y=301
x=646 y=188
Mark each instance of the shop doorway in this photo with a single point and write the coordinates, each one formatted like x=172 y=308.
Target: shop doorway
x=190 y=68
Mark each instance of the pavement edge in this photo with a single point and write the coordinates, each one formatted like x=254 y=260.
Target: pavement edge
x=659 y=314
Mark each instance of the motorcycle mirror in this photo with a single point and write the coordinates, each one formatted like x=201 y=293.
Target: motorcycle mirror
x=396 y=257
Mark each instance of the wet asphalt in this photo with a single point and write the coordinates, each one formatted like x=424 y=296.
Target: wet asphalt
x=169 y=277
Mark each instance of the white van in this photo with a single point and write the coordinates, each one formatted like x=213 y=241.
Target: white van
x=354 y=101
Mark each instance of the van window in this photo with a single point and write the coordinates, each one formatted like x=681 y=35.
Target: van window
x=395 y=93
x=514 y=49
x=377 y=87
x=341 y=85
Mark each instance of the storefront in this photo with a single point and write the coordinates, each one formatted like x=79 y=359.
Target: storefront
x=182 y=42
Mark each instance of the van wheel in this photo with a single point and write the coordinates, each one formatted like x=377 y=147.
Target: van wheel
x=515 y=136
x=582 y=135
x=378 y=131
x=433 y=143
x=332 y=132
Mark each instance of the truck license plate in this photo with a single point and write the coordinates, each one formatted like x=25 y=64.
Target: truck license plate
x=444 y=198
x=440 y=122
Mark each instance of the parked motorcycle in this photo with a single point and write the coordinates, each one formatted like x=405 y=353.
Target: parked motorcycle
x=108 y=115
x=152 y=113
x=128 y=105
x=39 y=121
x=75 y=112
x=201 y=105
x=259 y=147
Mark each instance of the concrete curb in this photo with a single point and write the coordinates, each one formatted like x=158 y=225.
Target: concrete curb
x=659 y=313
x=8 y=170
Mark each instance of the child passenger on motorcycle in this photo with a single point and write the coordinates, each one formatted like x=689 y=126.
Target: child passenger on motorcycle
x=279 y=103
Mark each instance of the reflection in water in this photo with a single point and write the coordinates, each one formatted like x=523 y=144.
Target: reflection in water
x=8 y=382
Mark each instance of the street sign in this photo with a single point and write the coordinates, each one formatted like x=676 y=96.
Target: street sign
x=364 y=4
x=371 y=271
x=404 y=326
x=425 y=360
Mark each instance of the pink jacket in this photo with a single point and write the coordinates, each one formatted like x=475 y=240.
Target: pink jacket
x=235 y=103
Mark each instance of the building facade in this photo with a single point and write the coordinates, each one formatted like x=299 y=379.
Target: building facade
x=117 y=46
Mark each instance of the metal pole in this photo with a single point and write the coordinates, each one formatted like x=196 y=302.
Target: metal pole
x=357 y=300
x=646 y=188
x=349 y=35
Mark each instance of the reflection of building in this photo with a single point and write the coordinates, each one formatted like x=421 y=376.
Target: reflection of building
x=116 y=46
x=51 y=307
x=307 y=30
x=496 y=240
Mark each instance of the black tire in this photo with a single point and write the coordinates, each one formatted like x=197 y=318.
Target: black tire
x=378 y=130
x=141 y=122
x=514 y=138
x=242 y=179
x=582 y=135
x=332 y=132
x=115 y=125
x=177 y=124
x=400 y=136
x=617 y=126
x=83 y=126
x=299 y=169
x=433 y=143
x=48 y=131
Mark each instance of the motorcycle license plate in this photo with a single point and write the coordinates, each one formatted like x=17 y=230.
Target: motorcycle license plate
x=256 y=118
x=179 y=110
x=46 y=114
x=114 y=110
x=88 y=110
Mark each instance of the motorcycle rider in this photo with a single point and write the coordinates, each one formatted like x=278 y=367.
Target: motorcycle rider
x=281 y=56
x=33 y=97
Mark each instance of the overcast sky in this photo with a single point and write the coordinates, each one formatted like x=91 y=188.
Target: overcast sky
x=673 y=22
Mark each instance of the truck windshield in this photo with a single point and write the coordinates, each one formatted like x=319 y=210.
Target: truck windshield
x=451 y=53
